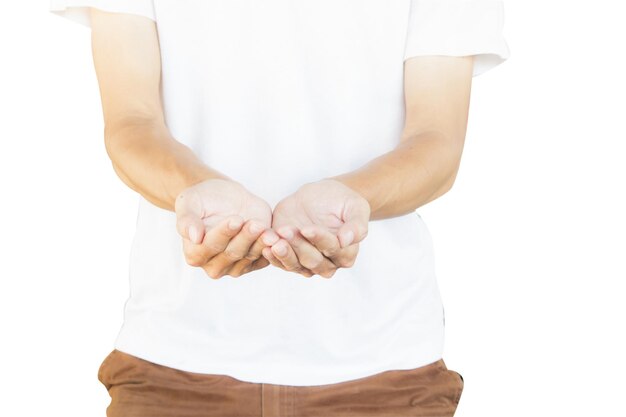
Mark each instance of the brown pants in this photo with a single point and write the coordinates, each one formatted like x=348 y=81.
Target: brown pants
x=139 y=388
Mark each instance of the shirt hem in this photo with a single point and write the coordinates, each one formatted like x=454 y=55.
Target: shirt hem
x=428 y=350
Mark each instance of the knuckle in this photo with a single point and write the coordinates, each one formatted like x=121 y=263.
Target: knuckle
x=293 y=268
x=192 y=259
x=310 y=263
x=228 y=232
x=232 y=255
x=212 y=272
x=328 y=273
x=214 y=247
x=316 y=265
x=276 y=263
x=251 y=256
x=345 y=262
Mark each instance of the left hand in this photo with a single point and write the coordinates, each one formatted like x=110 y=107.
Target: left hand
x=319 y=228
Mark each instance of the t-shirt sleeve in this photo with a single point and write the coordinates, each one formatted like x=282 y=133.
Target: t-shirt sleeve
x=78 y=10
x=458 y=28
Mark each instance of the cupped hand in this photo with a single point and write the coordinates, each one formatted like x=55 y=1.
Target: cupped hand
x=221 y=222
x=319 y=227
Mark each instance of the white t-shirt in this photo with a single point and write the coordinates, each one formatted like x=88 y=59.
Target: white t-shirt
x=275 y=94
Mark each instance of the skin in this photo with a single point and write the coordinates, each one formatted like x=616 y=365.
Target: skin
x=315 y=230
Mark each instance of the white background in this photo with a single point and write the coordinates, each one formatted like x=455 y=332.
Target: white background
x=530 y=243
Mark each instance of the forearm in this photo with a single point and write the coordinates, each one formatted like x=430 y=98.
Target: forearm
x=419 y=170
x=151 y=162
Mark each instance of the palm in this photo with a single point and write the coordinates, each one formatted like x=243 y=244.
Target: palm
x=221 y=199
x=210 y=218
x=310 y=206
x=320 y=227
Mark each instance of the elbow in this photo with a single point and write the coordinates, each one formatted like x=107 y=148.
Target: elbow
x=112 y=149
x=108 y=147
x=445 y=186
x=452 y=163
x=120 y=131
x=449 y=177
x=117 y=168
x=111 y=140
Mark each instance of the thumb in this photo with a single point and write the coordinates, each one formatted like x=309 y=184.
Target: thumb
x=356 y=218
x=191 y=227
x=189 y=221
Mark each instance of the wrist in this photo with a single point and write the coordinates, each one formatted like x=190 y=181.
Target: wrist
x=358 y=191
x=187 y=177
x=352 y=184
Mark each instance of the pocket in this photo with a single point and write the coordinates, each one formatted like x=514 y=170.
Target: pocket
x=103 y=365
x=460 y=386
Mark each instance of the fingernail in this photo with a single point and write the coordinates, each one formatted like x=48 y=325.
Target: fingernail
x=308 y=233
x=281 y=250
x=255 y=228
x=348 y=237
x=286 y=233
x=269 y=238
x=234 y=224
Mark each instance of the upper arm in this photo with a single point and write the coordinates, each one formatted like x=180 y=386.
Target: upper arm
x=447 y=43
x=437 y=95
x=127 y=62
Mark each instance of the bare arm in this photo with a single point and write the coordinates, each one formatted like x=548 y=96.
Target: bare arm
x=144 y=154
x=424 y=164
x=421 y=168
x=149 y=160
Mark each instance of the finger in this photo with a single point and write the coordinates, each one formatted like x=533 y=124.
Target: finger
x=257 y=264
x=346 y=257
x=254 y=253
x=269 y=237
x=269 y=255
x=356 y=216
x=189 y=215
x=239 y=245
x=190 y=226
x=194 y=253
x=212 y=271
x=292 y=263
x=245 y=266
x=215 y=241
x=283 y=252
x=234 y=271
x=352 y=232
x=306 y=253
x=323 y=239
x=287 y=257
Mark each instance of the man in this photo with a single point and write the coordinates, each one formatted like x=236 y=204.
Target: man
x=280 y=150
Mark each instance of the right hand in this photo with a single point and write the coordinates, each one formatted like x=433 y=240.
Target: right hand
x=203 y=214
